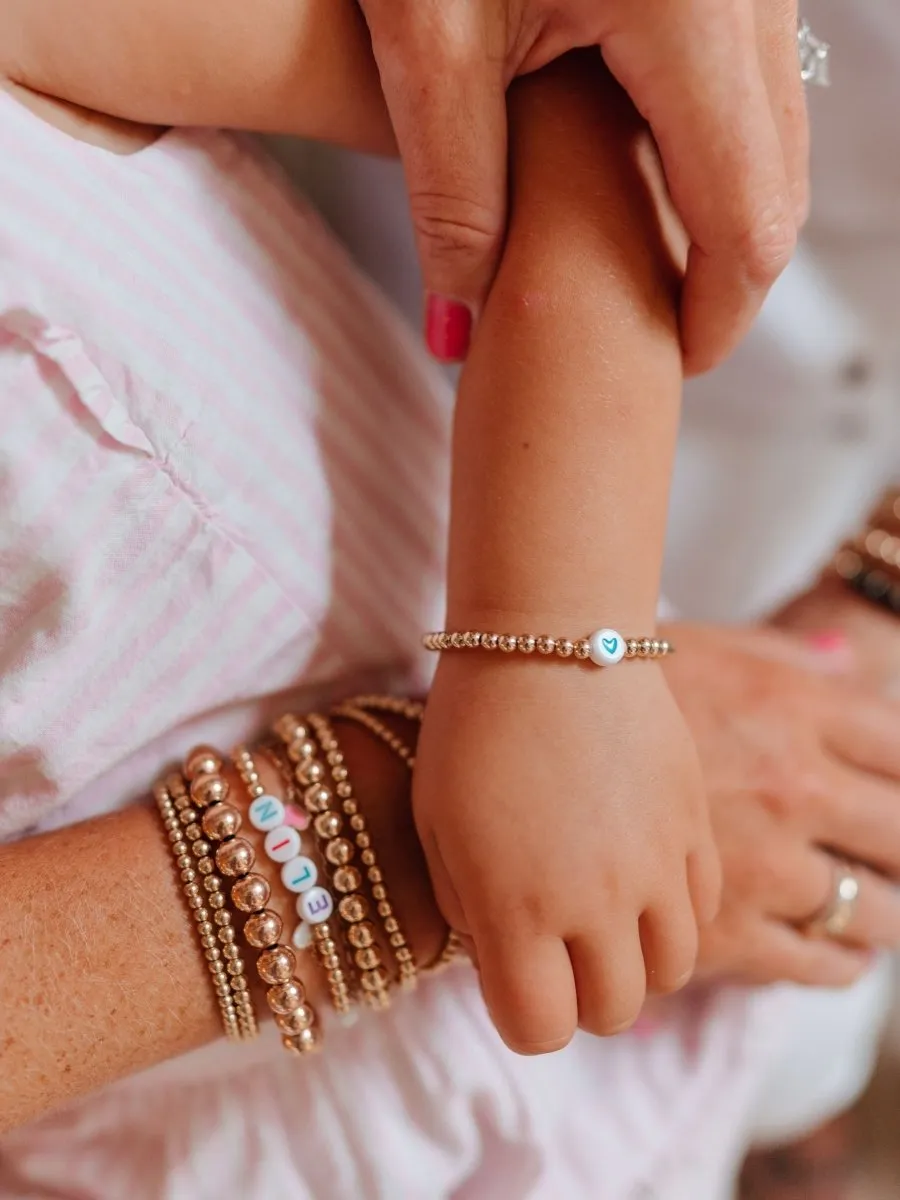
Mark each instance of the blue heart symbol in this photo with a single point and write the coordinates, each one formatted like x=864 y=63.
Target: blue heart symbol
x=610 y=645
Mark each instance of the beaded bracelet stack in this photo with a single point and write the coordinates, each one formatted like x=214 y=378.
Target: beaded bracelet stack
x=870 y=562
x=318 y=841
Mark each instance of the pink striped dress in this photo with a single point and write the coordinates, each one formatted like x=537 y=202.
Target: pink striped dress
x=223 y=479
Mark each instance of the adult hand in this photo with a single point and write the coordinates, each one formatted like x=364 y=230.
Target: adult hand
x=799 y=765
x=717 y=80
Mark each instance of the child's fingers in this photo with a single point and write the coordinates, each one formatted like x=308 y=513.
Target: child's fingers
x=669 y=939
x=610 y=979
x=704 y=877
x=529 y=990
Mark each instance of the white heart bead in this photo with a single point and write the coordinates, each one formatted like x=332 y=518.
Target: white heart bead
x=266 y=812
x=282 y=843
x=302 y=936
x=299 y=874
x=606 y=647
x=316 y=905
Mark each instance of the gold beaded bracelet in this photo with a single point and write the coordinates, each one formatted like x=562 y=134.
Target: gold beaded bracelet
x=604 y=648
x=194 y=791
x=201 y=914
x=283 y=843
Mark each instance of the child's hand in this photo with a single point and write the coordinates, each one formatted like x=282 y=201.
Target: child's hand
x=563 y=816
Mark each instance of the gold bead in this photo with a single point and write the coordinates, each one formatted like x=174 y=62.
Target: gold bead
x=212 y=883
x=317 y=798
x=202 y=760
x=180 y=849
x=188 y=815
x=582 y=649
x=335 y=758
x=309 y=772
x=526 y=644
x=209 y=941
x=223 y=918
x=631 y=647
x=353 y=909
x=276 y=965
x=328 y=945
x=240 y=984
x=545 y=645
x=290 y=728
x=188 y=875
x=379 y=892
x=339 y=774
x=664 y=647
x=654 y=647
x=263 y=929
x=347 y=879
x=331 y=962
x=404 y=954
x=368 y=858
x=508 y=643
x=307 y=1042
x=184 y=861
x=339 y=852
x=236 y=966
x=391 y=925
x=296 y=1021
x=302 y=749
x=374 y=981
x=384 y=908
x=217 y=900
x=205 y=928
x=235 y=857
x=213 y=954
x=251 y=893
x=284 y=998
x=228 y=935
x=206 y=865
x=362 y=935
x=398 y=940
x=345 y=791
x=565 y=648
x=201 y=847
x=358 y=823
x=209 y=789
x=193 y=889
x=328 y=825
x=221 y=821
x=490 y=641
x=375 y=876
x=232 y=952
x=368 y=958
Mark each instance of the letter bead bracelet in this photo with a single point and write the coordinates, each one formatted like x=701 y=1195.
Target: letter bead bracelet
x=604 y=648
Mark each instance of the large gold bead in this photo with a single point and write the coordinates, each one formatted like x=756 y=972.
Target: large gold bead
x=209 y=789
x=339 y=852
x=276 y=965
x=353 y=908
x=362 y=935
x=235 y=857
x=251 y=893
x=284 y=998
x=296 y=1021
x=347 y=879
x=221 y=821
x=202 y=760
x=317 y=798
x=328 y=825
x=263 y=929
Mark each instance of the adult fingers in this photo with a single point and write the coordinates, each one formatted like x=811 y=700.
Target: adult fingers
x=777 y=40
x=610 y=980
x=529 y=990
x=444 y=85
x=698 y=82
x=864 y=730
x=875 y=921
x=859 y=817
x=773 y=952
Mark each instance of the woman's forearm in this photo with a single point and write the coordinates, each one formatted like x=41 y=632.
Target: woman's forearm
x=569 y=402
x=101 y=973
x=288 y=66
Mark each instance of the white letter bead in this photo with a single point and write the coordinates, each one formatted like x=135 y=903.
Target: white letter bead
x=266 y=812
x=302 y=936
x=606 y=647
x=316 y=905
x=299 y=874
x=282 y=843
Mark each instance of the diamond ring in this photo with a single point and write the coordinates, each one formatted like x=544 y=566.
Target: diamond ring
x=813 y=56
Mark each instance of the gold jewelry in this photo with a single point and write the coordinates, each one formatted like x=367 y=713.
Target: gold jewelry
x=277 y=964
x=604 y=648
x=350 y=712
x=834 y=918
x=203 y=916
x=452 y=951
x=400 y=949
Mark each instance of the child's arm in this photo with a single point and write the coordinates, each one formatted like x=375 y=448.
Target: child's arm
x=565 y=431
x=287 y=66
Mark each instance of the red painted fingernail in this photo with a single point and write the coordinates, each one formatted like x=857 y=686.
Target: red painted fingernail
x=448 y=328
x=830 y=641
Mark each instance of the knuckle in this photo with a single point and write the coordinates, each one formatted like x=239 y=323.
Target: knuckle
x=451 y=227
x=767 y=246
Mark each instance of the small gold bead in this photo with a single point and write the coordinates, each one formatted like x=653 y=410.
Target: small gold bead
x=206 y=928
x=664 y=647
x=276 y=965
x=335 y=758
x=223 y=918
x=317 y=798
x=375 y=875
x=631 y=647
x=545 y=645
x=221 y=821
x=508 y=643
x=363 y=840
x=379 y=892
x=263 y=929
x=368 y=858
x=404 y=955
x=368 y=958
x=339 y=774
x=310 y=772
x=217 y=900
x=331 y=962
x=290 y=728
x=654 y=647
x=397 y=940
x=228 y=935
x=328 y=945
x=565 y=648
x=384 y=908
x=236 y=966
x=180 y=849
x=240 y=984
x=231 y=951
x=339 y=852
x=362 y=935
x=328 y=825
x=302 y=749
x=201 y=915
x=188 y=815
x=297 y=1020
x=526 y=644
x=251 y=893
x=212 y=883
x=582 y=649
x=490 y=641
x=209 y=789
x=345 y=791
x=347 y=879
x=206 y=865
x=358 y=823
x=213 y=954
x=353 y=909
x=284 y=998
x=209 y=942
x=201 y=848
x=188 y=875
x=375 y=981
x=308 y=1041
x=235 y=857
x=645 y=646
x=391 y=925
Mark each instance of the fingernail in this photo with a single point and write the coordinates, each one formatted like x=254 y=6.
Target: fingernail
x=830 y=641
x=448 y=328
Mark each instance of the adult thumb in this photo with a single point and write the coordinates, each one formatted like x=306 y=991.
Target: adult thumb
x=451 y=131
